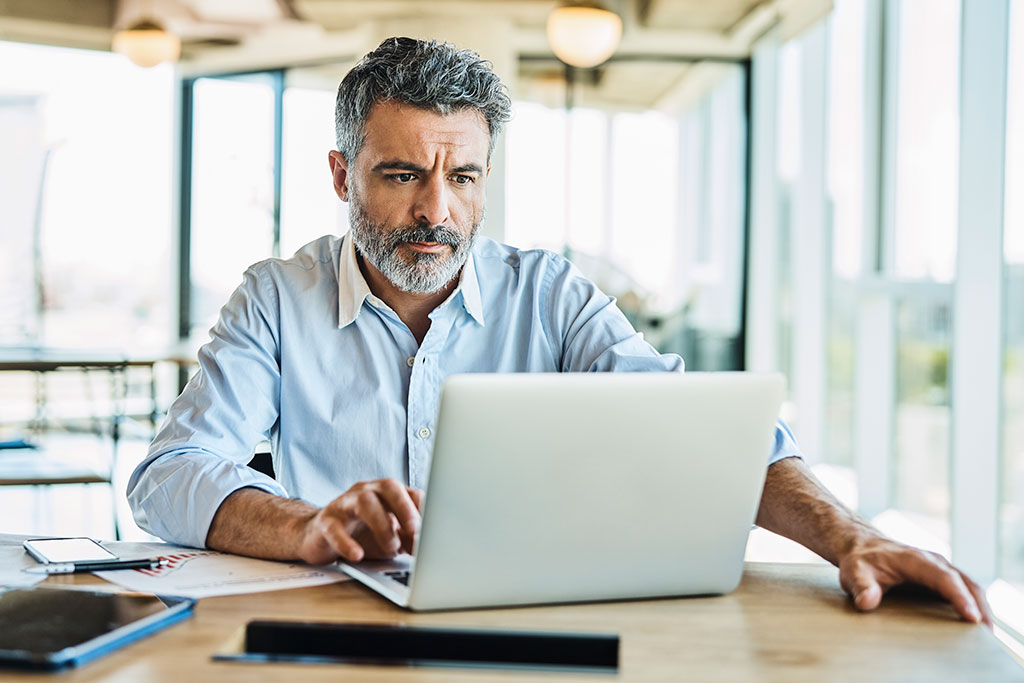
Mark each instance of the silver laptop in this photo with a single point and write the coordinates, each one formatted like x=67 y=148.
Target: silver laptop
x=553 y=488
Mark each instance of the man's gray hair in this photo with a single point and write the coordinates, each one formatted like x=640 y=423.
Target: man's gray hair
x=426 y=74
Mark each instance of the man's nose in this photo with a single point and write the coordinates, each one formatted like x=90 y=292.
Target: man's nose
x=432 y=202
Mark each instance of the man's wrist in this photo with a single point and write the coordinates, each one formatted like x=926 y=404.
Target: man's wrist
x=858 y=536
x=253 y=522
x=796 y=505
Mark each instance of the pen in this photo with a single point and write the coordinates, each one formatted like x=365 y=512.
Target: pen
x=83 y=567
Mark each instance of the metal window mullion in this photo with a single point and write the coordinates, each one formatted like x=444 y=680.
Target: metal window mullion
x=277 y=85
x=884 y=251
x=762 y=313
x=739 y=357
x=186 y=130
x=978 y=292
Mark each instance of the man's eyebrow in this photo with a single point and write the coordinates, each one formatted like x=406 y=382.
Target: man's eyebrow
x=399 y=165
x=467 y=168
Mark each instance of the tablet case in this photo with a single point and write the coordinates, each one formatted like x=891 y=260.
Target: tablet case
x=49 y=628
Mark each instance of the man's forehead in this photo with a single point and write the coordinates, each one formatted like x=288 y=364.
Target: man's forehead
x=393 y=130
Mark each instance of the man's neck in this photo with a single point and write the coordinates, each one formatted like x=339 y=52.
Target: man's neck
x=412 y=308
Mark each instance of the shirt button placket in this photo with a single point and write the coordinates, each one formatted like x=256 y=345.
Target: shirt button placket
x=420 y=450
x=417 y=415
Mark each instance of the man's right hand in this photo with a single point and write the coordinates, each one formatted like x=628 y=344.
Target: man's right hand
x=372 y=520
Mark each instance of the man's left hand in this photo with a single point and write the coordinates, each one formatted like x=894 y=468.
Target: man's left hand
x=874 y=566
x=796 y=505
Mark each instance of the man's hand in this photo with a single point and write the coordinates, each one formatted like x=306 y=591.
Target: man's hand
x=372 y=520
x=869 y=570
x=797 y=506
x=376 y=519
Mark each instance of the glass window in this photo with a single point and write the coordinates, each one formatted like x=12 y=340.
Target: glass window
x=233 y=176
x=589 y=222
x=536 y=205
x=846 y=107
x=86 y=257
x=309 y=206
x=923 y=413
x=846 y=178
x=644 y=181
x=649 y=204
x=926 y=140
x=232 y=187
x=86 y=172
x=1012 y=512
x=923 y=248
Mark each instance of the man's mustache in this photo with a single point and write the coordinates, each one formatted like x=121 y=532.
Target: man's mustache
x=425 y=233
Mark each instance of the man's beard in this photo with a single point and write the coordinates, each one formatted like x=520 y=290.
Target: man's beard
x=424 y=273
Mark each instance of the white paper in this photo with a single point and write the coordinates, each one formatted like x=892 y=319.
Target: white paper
x=193 y=573
x=13 y=559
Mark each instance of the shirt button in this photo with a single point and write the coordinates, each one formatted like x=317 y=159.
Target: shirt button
x=424 y=432
x=410 y=361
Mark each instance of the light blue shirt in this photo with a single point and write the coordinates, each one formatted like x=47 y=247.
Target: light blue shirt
x=306 y=356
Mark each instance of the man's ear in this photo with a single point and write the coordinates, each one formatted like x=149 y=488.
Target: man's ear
x=339 y=171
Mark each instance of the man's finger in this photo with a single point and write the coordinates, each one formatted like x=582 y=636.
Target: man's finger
x=417 y=498
x=869 y=598
x=333 y=532
x=932 y=571
x=863 y=587
x=398 y=501
x=372 y=511
x=980 y=599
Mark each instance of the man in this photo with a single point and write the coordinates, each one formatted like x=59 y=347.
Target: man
x=338 y=354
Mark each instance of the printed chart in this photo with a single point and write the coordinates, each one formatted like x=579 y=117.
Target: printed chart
x=207 y=573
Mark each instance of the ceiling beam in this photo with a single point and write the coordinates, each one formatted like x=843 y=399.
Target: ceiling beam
x=643 y=11
x=90 y=13
x=344 y=13
x=54 y=33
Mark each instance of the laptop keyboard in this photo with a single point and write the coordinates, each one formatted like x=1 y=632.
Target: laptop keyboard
x=401 y=577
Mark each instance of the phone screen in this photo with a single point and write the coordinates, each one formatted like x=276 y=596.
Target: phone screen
x=51 y=550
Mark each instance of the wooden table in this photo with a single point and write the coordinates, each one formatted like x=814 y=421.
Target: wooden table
x=784 y=623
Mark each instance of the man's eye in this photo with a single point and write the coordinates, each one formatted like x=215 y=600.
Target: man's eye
x=403 y=177
x=462 y=179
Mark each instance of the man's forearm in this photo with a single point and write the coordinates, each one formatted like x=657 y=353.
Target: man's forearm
x=796 y=505
x=259 y=524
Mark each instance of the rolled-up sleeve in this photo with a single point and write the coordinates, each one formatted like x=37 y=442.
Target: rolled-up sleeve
x=785 y=445
x=201 y=451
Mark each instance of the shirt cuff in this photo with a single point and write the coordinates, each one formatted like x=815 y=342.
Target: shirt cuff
x=178 y=493
x=784 y=445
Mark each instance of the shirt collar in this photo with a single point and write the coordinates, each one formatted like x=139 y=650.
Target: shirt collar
x=352 y=287
x=470 y=287
x=353 y=290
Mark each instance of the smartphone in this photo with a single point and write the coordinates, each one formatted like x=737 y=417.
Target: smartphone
x=80 y=549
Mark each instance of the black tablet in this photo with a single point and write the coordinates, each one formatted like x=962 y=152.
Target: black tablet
x=402 y=645
x=50 y=628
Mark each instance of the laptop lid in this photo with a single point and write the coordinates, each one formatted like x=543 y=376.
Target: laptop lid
x=579 y=487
